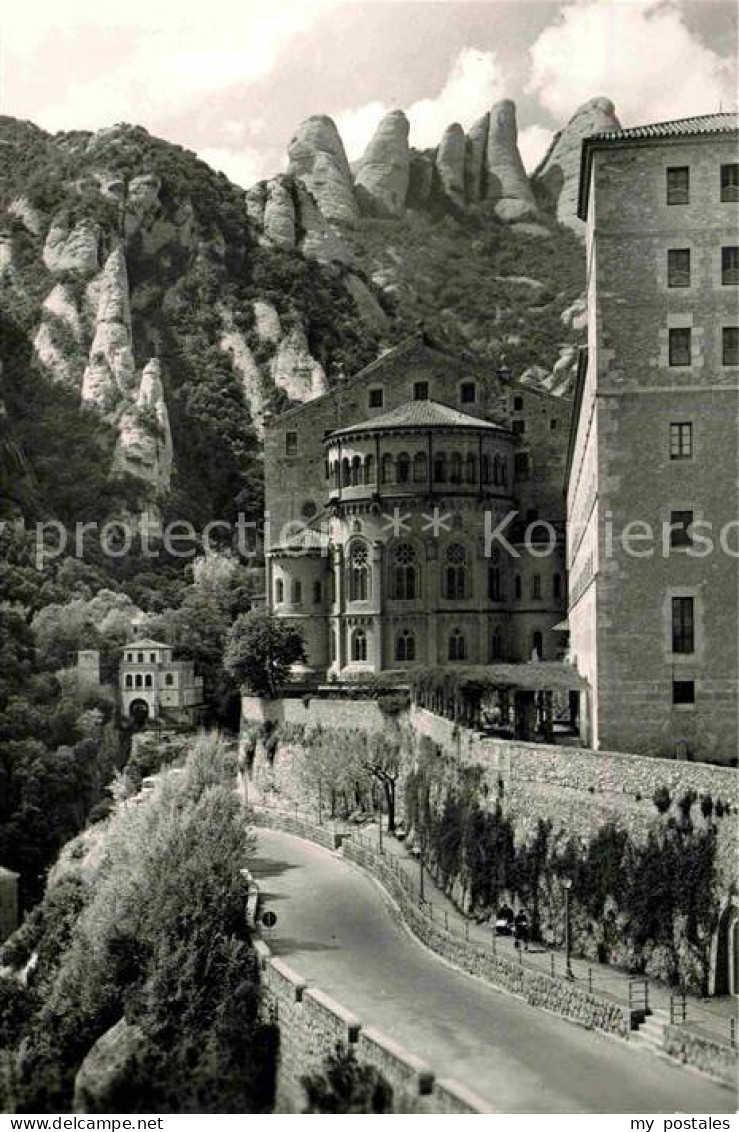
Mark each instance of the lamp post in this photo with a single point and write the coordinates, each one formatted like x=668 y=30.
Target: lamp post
x=567 y=885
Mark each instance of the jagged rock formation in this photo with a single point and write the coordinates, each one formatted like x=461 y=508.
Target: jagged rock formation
x=317 y=158
x=267 y=322
x=474 y=165
x=506 y=183
x=286 y=216
x=295 y=371
x=450 y=162
x=29 y=216
x=279 y=214
x=142 y=201
x=72 y=249
x=383 y=172
x=233 y=342
x=58 y=341
x=144 y=446
x=109 y=374
x=108 y=1066
x=557 y=176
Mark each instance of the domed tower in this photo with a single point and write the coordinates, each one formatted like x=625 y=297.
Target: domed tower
x=412 y=494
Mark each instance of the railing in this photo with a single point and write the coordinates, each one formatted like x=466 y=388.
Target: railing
x=639 y=996
x=678 y=1009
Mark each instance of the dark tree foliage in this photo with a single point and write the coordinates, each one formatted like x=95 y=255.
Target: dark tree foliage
x=345 y=1086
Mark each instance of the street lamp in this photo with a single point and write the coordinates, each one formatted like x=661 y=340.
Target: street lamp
x=567 y=885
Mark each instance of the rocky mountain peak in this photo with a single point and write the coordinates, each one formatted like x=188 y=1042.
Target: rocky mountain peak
x=507 y=184
x=557 y=176
x=317 y=158
x=383 y=172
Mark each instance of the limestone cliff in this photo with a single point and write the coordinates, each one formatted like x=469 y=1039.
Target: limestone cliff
x=383 y=172
x=507 y=186
x=557 y=176
x=109 y=374
x=317 y=158
x=144 y=446
x=450 y=162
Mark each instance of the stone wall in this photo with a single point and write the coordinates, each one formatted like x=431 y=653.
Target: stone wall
x=312 y=711
x=702 y=1052
x=592 y=1009
x=312 y=1024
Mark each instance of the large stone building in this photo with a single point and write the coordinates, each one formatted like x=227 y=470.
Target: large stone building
x=382 y=497
x=154 y=686
x=652 y=470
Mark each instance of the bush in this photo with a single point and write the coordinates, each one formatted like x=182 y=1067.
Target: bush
x=345 y=1086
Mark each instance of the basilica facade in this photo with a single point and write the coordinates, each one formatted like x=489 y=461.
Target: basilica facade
x=416 y=517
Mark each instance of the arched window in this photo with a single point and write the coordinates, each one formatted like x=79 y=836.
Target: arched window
x=455 y=468
x=405 y=647
x=420 y=469
x=140 y=658
x=356 y=471
x=346 y=473
x=503 y=471
x=327 y=470
x=485 y=469
x=536 y=587
x=296 y=595
x=518 y=587
x=496 y=471
x=557 y=587
x=169 y=679
x=405 y=573
x=335 y=472
x=388 y=468
x=369 y=469
x=457 y=646
x=470 y=469
x=139 y=680
x=129 y=681
x=279 y=591
x=129 y=656
x=317 y=593
x=440 y=467
x=496 y=644
x=455 y=572
x=359 y=645
x=359 y=573
x=494 y=587
x=538 y=646
x=332 y=645
x=147 y=680
x=403 y=468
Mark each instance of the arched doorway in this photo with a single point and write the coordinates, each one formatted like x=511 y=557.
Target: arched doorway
x=139 y=712
x=726 y=971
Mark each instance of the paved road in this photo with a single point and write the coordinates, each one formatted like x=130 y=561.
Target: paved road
x=337 y=929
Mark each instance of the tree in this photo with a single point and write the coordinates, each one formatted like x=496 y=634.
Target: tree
x=346 y=1086
x=261 y=650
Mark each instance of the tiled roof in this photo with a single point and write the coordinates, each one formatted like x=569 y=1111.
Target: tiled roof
x=145 y=643
x=419 y=414
x=703 y=125
x=682 y=127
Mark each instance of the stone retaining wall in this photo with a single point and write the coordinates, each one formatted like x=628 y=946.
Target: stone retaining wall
x=702 y=1052
x=312 y=1024
x=591 y=1009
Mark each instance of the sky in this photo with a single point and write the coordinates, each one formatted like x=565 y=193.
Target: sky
x=232 y=79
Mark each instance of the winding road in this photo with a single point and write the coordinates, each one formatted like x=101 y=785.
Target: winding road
x=340 y=931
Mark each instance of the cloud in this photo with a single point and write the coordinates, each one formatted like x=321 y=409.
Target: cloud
x=639 y=53
x=242 y=166
x=139 y=64
x=473 y=84
x=533 y=143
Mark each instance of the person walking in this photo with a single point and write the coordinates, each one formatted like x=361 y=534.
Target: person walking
x=521 y=930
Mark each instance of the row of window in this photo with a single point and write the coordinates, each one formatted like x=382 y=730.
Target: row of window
x=146 y=681
x=678 y=184
x=404 y=468
x=681 y=346
x=405 y=651
x=679 y=267
x=467 y=394
x=405 y=578
x=140 y=657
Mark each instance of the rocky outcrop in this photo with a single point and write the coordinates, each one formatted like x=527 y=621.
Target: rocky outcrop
x=233 y=343
x=279 y=215
x=109 y=374
x=575 y=316
x=72 y=249
x=383 y=173
x=29 y=216
x=295 y=370
x=508 y=187
x=58 y=340
x=317 y=239
x=474 y=164
x=6 y=256
x=420 y=179
x=450 y=162
x=369 y=309
x=317 y=158
x=267 y=322
x=142 y=201
x=144 y=446
x=557 y=177
x=107 y=1066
